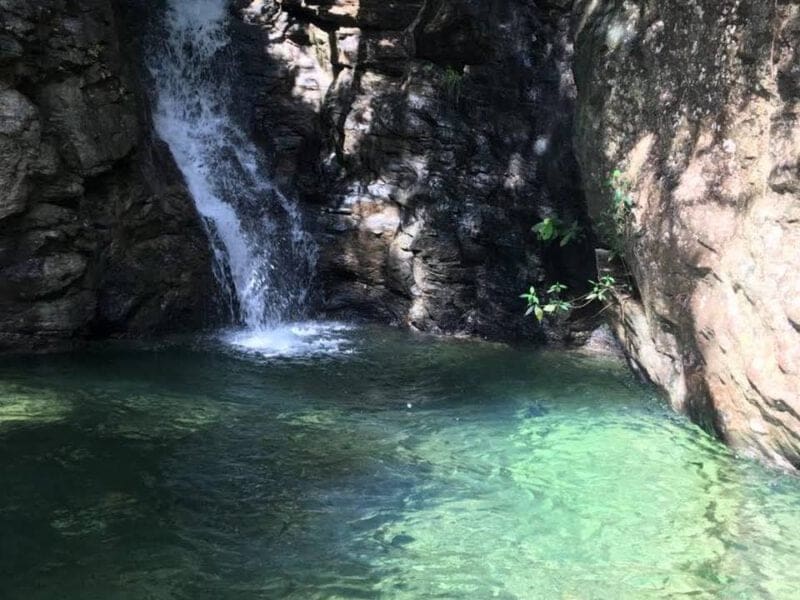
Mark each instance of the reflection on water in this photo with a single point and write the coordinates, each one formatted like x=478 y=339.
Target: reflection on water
x=404 y=467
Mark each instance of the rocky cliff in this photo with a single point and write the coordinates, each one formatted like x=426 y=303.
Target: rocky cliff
x=698 y=104
x=424 y=138
x=97 y=233
x=427 y=137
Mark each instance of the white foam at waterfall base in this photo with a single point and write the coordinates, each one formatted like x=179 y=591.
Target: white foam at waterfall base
x=264 y=257
x=311 y=338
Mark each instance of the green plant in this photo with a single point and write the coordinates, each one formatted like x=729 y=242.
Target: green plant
x=553 y=304
x=546 y=229
x=550 y=229
x=557 y=289
x=573 y=233
x=453 y=84
x=613 y=226
x=601 y=289
x=622 y=199
x=613 y=229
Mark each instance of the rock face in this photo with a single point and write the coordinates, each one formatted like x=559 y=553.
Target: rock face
x=97 y=233
x=428 y=136
x=698 y=103
x=425 y=137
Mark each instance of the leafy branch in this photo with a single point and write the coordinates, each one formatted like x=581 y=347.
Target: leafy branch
x=453 y=84
x=552 y=303
x=551 y=229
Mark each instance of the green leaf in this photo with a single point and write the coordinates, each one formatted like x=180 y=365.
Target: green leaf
x=539 y=314
x=546 y=229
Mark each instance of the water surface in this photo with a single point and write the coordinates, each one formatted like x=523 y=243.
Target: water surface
x=371 y=464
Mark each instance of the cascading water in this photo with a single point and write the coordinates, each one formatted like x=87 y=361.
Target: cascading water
x=264 y=257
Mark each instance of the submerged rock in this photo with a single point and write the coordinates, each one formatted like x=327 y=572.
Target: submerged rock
x=603 y=343
x=535 y=410
x=401 y=540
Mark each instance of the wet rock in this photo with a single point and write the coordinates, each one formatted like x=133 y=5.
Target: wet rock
x=603 y=342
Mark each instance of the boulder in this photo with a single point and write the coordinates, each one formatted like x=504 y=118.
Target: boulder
x=697 y=104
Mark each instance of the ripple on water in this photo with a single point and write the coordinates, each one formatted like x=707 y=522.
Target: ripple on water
x=29 y=405
x=410 y=467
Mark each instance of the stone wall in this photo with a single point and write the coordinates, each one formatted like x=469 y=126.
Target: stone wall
x=97 y=233
x=698 y=102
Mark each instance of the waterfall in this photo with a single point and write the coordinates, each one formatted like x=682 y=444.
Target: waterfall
x=264 y=259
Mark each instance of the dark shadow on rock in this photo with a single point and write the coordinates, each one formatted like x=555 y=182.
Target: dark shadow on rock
x=471 y=148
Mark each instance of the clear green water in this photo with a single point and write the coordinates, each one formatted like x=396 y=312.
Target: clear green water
x=395 y=467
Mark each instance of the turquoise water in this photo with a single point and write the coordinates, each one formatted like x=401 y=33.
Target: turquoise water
x=371 y=464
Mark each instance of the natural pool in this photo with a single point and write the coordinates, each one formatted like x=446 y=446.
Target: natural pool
x=370 y=463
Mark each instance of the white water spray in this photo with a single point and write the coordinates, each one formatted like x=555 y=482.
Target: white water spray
x=264 y=257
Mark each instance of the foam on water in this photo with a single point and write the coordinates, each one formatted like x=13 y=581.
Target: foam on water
x=292 y=340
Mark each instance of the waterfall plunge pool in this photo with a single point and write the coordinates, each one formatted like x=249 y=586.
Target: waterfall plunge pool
x=373 y=464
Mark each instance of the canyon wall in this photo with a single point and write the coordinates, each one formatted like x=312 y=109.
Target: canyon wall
x=426 y=138
x=697 y=102
x=423 y=139
x=98 y=235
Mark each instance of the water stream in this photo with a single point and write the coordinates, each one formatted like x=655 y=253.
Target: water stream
x=390 y=466
x=264 y=257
